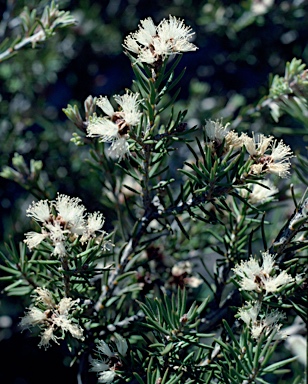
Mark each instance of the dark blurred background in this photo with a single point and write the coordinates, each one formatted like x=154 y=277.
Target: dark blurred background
x=240 y=44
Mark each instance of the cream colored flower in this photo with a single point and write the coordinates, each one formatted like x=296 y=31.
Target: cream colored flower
x=256 y=145
x=51 y=317
x=47 y=336
x=280 y=159
x=249 y=314
x=39 y=211
x=254 y=277
x=259 y=194
x=119 y=148
x=95 y=222
x=216 y=132
x=45 y=297
x=263 y=324
x=72 y=212
x=182 y=275
x=154 y=44
x=181 y=268
x=269 y=156
x=106 y=368
x=115 y=126
x=62 y=222
x=33 y=239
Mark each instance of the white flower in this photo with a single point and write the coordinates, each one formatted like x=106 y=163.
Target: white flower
x=233 y=140
x=103 y=128
x=146 y=32
x=106 y=368
x=71 y=212
x=254 y=277
x=175 y=34
x=277 y=161
x=146 y=56
x=106 y=376
x=95 y=222
x=181 y=272
x=280 y=159
x=259 y=194
x=274 y=283
x=249 y=314
x=257 y=144
x=33 y=239
x=65 y=305
x=65 y=324
x=52 y=317
x=34 y=317
x=265 y=324
x=65 y=222
x=181 y=268
x=44 y=297
x=217 y=132
x=57 y=231
x=59 y=249
x=105 y=105
x=57 y=234
x=40 y=211
x=46 y=337
x=153 y=44
x=98 y=365
x=130 y=111
x=114 y=128
x=104 y=348
x=119 y=148
x=193 y=281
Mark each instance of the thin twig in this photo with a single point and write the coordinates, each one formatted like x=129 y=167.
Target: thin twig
x=293 y=226
x=133 y=243
x=37 y=37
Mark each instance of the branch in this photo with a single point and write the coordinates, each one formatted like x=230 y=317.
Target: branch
x=37 y=37
x=293 y=226
x=144 y=222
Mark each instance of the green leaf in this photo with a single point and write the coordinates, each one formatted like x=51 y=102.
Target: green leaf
x=181 y=227
x=167 y=349
x=277 y=365
x=138 y=378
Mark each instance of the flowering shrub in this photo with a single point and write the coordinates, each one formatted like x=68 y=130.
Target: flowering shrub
x=148 y=302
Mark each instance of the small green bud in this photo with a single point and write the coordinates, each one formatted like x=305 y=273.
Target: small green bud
x=20 y=164
x=77 y=140
x=10 y=174
x=90 y=106
x=35 y=168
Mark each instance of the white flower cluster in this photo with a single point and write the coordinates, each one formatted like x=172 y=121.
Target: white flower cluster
x=152 y=44
x=182 y=275
x=268 y=155
x=264 y=278
x=51 y=317
x=277 y=161
x=262 y=324
x=259 y=194
x=217 y=132
x=115 y=126
x=63 y=220
x=106 y=368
